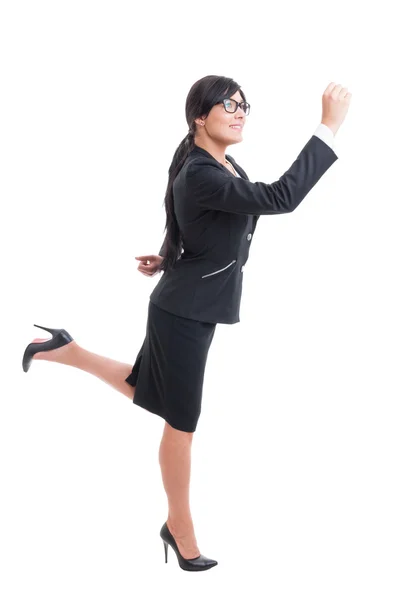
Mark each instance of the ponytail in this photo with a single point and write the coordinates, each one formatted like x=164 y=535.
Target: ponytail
x=172 y=245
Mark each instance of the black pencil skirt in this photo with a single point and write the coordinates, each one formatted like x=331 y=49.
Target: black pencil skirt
x=168 y=372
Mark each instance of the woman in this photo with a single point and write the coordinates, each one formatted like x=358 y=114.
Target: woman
x=211 y=213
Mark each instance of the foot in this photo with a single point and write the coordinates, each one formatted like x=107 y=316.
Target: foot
x=53 y=355
x=186 y=543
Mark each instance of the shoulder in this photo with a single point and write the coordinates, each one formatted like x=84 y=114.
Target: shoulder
x=200 y=164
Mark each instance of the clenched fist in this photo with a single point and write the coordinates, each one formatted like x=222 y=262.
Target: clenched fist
x=335 y=103
x=152 y=268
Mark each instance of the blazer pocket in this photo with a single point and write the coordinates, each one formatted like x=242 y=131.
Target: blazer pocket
x=219 y=270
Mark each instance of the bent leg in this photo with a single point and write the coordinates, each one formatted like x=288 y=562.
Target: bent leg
x=108 y=370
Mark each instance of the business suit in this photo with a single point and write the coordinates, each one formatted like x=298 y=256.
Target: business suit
x=217 y=214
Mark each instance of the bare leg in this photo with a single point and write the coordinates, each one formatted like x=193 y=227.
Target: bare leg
x=175 y=462
x=111 y=371
x=175 y=447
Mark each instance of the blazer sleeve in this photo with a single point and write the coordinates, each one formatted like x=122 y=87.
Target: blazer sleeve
x=211 y=186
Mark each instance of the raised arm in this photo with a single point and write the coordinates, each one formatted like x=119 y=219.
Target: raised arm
x=211 y=186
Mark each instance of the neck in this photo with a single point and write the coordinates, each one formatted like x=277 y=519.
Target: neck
x=216 y=149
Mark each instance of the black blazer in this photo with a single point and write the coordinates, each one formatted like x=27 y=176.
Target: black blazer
x=217 y=213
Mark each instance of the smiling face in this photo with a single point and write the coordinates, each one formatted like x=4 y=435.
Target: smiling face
x=220 y=125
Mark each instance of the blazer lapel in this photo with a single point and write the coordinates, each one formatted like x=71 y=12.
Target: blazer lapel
x=243 y=174
x=197 y=151
x=237 y=168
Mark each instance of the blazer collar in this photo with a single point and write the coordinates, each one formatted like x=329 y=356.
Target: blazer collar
x=197 y=151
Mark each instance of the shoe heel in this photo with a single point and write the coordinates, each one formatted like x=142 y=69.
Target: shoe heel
x=52 y=331
x=60 y=337
x=166 y=546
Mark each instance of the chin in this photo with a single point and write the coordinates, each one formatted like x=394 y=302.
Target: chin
x=235 y=141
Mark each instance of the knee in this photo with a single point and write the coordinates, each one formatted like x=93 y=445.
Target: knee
x=178 y=432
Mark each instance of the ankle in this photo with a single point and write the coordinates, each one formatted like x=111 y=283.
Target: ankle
x=181 y=528
x=68 y=354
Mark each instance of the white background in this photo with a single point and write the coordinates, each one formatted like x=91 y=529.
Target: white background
x=294 y=461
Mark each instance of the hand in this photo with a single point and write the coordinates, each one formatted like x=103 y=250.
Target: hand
x=335 y=104
x=153 y=267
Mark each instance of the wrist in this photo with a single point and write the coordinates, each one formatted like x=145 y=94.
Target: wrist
x=332 y=126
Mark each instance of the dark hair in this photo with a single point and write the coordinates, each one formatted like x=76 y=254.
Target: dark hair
x=202 y=96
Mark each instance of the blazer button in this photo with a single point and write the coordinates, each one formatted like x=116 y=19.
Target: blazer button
x=249 y=236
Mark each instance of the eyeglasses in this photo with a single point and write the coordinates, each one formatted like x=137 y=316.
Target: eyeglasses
x=231 y=105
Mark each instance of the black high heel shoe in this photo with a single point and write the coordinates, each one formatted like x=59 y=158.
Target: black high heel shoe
x=60 y=338
x=200 y=563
